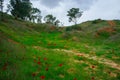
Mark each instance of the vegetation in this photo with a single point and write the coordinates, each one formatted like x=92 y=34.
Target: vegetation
x=31 y=51
x=20 y=8
x=73 y=14
x=73 y=28
x=35 y=14
x=50 y=19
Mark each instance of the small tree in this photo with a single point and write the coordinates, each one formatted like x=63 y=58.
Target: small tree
x=35 y=14
x=73 y=14
x=39 y=17
x=1 y=9
x=49 y=19
x=57 y=23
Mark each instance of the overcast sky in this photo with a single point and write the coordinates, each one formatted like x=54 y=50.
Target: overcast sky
x=92 y=9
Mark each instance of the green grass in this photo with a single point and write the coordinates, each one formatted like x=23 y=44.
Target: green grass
x=27 y=52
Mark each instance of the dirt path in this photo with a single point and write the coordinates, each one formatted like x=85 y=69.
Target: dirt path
x=107 y=62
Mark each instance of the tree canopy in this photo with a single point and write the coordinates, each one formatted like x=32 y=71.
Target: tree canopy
x=49 y=18
x=73 y=14
x=20 y=8
x=35 y=14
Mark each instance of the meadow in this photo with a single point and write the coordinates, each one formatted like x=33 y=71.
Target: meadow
x=87 y=51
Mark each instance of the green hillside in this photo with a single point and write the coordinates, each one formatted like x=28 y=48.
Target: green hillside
x=87 y=51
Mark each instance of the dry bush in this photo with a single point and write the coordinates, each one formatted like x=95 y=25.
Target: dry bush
x=74 y=38
x=111 y=23
x=106 y=31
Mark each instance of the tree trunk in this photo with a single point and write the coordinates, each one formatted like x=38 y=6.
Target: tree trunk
x=75 y=21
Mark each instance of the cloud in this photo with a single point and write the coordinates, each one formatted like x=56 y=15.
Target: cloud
x=84 y=4
x=50 y=3
x=107 y=10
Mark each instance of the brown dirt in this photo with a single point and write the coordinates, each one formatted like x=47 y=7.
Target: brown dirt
x=101 y=60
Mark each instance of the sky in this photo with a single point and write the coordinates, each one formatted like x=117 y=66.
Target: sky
x=92 y=9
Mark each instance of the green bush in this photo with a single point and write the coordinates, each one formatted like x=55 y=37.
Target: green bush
x=74 y=27
x=104 y=34
x=96 y=21
x=66 y=35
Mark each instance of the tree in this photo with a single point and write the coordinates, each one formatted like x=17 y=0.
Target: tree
x=8 y=8
x=49 y=19
x=57 y=23
x=73 y=14
x=35 y=14
x=1 y=9
x=39 y=17
x=20 y=8
x=1 y=5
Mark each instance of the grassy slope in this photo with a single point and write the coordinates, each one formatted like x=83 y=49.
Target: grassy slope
x=27 y=52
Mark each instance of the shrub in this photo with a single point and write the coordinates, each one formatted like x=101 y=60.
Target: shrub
x=74 y=27
x=106 y=32
x=118 y=76
x=111 y=23
x=74 y=38
x=66 y=35
x=96 y=21
x=50 y=28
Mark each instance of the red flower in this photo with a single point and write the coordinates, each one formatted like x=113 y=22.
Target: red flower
x=46 y=69
x=42 y=77
x=75 y=79
x=39 y=63
x=60 y=65
x=93 y=66
x=45 y=59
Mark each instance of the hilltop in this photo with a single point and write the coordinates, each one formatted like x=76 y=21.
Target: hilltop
x=87 y=51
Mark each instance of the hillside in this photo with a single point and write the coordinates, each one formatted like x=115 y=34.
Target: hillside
x=87 y=51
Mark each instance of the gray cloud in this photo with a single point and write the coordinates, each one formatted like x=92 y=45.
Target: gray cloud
x=50 y=3
x=107 y=10
x=85 y=4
